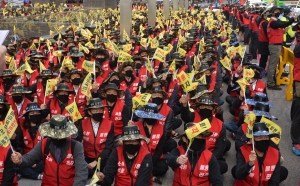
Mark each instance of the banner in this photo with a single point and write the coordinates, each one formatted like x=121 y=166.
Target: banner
x=250 y=119
x=154 y=43
x=140 y=100
x=51 y=83
x=202 y=79
x=248 y=74
x=57 y=53
x=88 y=66
x=86 y=85
x=73 y=111
x=273 y=128
x=197 y=129
x=10 y=124
x=160 y=54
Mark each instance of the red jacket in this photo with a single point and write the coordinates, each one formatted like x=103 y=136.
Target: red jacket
x=256 y=177
x=22 y=111
x=55 y=108
x=142 y=73
x=253 y=23
x=32 y=79
x=94 y=145
x=165 y=110
x=260 y=87
x=133 y=88
x=296 y=69
x=106 y=69
x=62 y=174
x=200 y=175
x=40 y=91
x=124 y=176
x=116 y=116
x=275 y=35
x=28 y=142
x=262 y=37
x=3 y=156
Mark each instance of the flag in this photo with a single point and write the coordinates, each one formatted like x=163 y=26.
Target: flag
x=181 y=51
x=88 y=66
x=144 y=42
x=154 y=43
x=150 y=68
x=140 y=100
x=84 y=49
x=273 y=128
x=51 y=83
x=124 y=57
x=197 y=62
x=8 y=59
x=73 y=111
x=241 y=50
x=185 y=82
x=89 y=45
x=250 y=119
x=125 y=35
x=226 y=63
x=10 y=124
x=67 y=63
x=243 y=83
x=172 y=67
x=127 y=48
x=4 y=139
x=87 y=85
x=12 y=66
x=160 y=54
x=168 y=48
x=248 y=74
x=23 y=68
x=42 y=67
x=202 y=79
x=197 y=129
x=57 y=53
x=95 y=178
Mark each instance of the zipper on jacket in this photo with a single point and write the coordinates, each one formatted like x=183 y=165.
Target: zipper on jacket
x=57 y=178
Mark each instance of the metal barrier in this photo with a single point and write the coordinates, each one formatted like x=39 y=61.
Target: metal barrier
x=286 y=58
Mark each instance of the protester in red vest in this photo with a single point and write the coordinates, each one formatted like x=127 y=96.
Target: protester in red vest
x=199 y=166
x=28 y=137
x=101 y=56
x=256 y=84
x=263 y=40
x=140 y=70
x=97 y=135
x=8 y=176
x=254 y=35
x=7 y=80
x=130 y=164
x=77 y=58
x=130 y=81
x=63 y=157
x=150 y=127
x=116 y=111
x=275 y=34
x=23 y=51
x=259 y=166
x=206 y=108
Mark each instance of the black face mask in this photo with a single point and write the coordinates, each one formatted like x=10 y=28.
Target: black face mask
x=58 y=142
x=128 y=73
x=208 y=79
x=205 y=113
x=262 y=145
x=157 y=100
x=97 y=74
x=169 y=79
x=150 y=121
x=277 y=14
x=36 y=45
x=2 y=110
x=111 y=98
x=131 y=149
x=138 y=65
x=76 y=81
x=100 y=60
x=17 y=99
x=37 y=119
x=63 y=98
x=75 y=59
x=25 y=45
x=256 y=75
x=97 y=117
x=116 y=81
x=197 y=144
x=7 y=82
x=70 y=48
x=62 y=74
x=178 y=66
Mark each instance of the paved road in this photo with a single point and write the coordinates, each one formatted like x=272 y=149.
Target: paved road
x=282 y=111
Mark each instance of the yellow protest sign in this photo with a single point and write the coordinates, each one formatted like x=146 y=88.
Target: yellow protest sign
x=88 y=66
x=73 y=111
x=23 y=68
x=250 y=119
x=86 y=85
x=10 y=124
x=125 y=35
x=160 y=54
x=42 y=67
x=243 y=83
x=185 y=82
x=95 y=178
x=197 y=129
x=12 y=66
x=168 y=48
x=140 y=100
x=154 y=43
x=67 y=63
x=248 y=73
x=51 y=83
x=4 y=139
x=124 y=57
x=57 y=53
x=202 y=79
x=226 y=63
x=127 y=48
x=144 y=42
x=172 y=66
x=8 y=59
x=84 y=49
x=89 y=45
x=150 y=68
x=181 y=51
x=273 y=128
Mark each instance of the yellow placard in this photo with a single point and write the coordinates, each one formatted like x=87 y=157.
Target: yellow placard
x=73 y=111
x=197 y=129
x=88 y=66
x=140 y=100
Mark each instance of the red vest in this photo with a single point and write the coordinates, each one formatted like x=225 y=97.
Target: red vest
x=255 y=177
x=32 y=79
x=172 y=85
x=246 y=20
x=183 y=175
x=296 y=69
x=125 y=177
x=22 y=110
x=156 y=134
x=3 y=156
x=275 y=35
x=80 y=99
x=253 y=23
x=260 y=87
x=156 y=65
x=142 y=73
x=93 y=146
x=28 y=142
x=244 y=127
x=165 y=110
x=21 y=56
x=133 y=88
x=106 y=69
x=40 y=91
x=62 y=174
x=262 y=37
x=55 y=108
x=216 y=128
x=116 y=116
